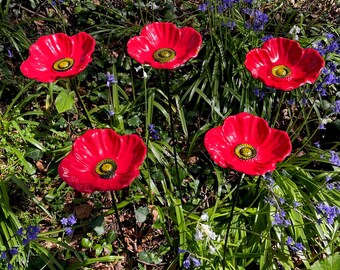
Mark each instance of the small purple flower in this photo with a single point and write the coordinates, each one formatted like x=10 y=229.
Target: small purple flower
x=110 y=79
x=9 y=266
x=63 y=221
x=317 y=144
x=330 y=79
x=280 y=219
x=334 y=158
x=291 y=102
x=195 y=261
x=296 y=204
x=32 y=232
x=322 y=126
x=329 y=36
x=203 y=7
x=336 y=108
x=13 y=251
x=282 y=200
x=328 y=178
x=3 y=255
x=10 y=54
x=20 y=231
x=304 y=101
x=332 y=47
x=71 y=220
x=186 y=263
x=68 y=231
x=329 y=212
x=230 y=24
x=266 y=37
x=259 y=19
x=294 y=247
x=153 y=132
x=289 y=241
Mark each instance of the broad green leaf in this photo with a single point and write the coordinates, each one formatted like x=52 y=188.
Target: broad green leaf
x=64 y=101
x=330 y=263
x=141 y=213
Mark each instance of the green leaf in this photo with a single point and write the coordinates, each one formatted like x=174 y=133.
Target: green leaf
x=330 y=263
x=85 y=242
x=64 y=101
x=141 y=213
x=134 y=121
x=98 y=225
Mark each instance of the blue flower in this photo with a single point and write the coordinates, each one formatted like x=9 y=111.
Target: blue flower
x=20 y=231
x=266 y=37
x=153 y=132
x=68 y=231
x=334 y=158
x=32 y=232
x=280 y=219
x=9 y=266
x=294 y=247
x=230 y=24
x=259 y=19
x=3 y=255
x=329 y=212
x=13 y=251
x=110 y=79
x=322 y=126
x=259 y=93
x=296 y=204
x=71 y=220
x=63 y=221
x=10 y=54
x=317 y=144
x=186 y=263
x=203 y=6
x=336 y=108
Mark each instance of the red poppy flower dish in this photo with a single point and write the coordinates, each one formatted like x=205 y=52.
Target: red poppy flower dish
x=247 y=144
x=162 y=45
x=102 y=160
x=58 y=56
x=282 y=64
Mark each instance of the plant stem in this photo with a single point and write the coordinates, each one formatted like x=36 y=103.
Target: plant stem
x=231 y=218
x=119 y=224
x=87 y=115
x=174 y=141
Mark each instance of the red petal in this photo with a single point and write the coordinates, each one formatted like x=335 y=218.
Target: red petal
x=216 y=145
x=48 y=49
x=185 y=42
x=245 y=128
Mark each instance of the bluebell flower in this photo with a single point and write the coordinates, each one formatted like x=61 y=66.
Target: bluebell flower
x=259 y=93
x=317 y=144
x=230 y=24
x=294 y=246
x=32 y=232
x=186 y=263
x=63 y=221
x=269 y=201
x=10 y=54
x=9 y=266
x=153 y=132
x=68 y=231
x=332 y=47
x=332 y=66
x=110 y=79
x=203 y=7
x=282 y=200
x=195 y=261
x=249 y=2
x=296 y=204
x=3 y=255
x=13 y=251
x=280 y=219
x=322 y=126
x=71 y=220
x=334 y=158
x=258 y=20
x=267 y=37
x=330 y=79
x=304 y=101
x=330 y=186
x=20 y=231
x=329 y=36
x=329 y=212
x=336 y=108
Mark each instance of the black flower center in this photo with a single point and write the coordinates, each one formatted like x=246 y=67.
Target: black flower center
x=245 y=151
x=63 y=64
x=164 y=55
x=106 y=168
x=281 y=71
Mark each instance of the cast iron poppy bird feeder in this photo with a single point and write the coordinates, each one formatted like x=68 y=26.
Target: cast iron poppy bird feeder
x=58 y=56
x=102 y=160
x=164 y=46
x=282 y=64
x=247 y=144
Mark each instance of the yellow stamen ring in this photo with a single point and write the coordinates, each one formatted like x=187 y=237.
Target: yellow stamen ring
x=281 y=71
x=245 y=151
x=106 y=168
x=164 y=55
x=63 y=64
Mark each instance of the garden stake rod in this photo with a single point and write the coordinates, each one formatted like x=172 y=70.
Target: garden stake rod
x=231 y=218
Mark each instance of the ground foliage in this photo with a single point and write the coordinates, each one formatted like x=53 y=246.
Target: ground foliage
x=281 y=221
